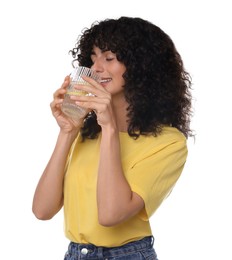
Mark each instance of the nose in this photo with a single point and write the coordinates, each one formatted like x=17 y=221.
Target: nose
x=97 y=66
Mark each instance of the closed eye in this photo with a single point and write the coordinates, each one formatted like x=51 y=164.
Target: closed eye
x=109 y=59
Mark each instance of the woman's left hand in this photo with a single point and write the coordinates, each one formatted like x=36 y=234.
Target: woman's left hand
x=99 y=101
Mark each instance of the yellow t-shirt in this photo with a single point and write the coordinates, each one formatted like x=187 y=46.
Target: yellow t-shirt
x=152 y=165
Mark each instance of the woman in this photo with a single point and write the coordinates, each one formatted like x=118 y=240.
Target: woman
x=112 y=169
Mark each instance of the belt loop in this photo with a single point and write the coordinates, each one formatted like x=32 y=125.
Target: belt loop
x=100 y=252
x=152 y=240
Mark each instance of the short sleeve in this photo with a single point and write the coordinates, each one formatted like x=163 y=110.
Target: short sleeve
x=154 y=176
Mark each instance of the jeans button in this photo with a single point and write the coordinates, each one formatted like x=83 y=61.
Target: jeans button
x=84 y=251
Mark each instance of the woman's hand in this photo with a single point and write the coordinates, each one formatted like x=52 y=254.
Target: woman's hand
x=65 y=123
x=99 y=102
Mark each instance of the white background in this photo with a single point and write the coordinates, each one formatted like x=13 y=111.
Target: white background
x=195 y=221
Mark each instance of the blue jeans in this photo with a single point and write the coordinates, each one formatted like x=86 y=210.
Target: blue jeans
x=137 y=250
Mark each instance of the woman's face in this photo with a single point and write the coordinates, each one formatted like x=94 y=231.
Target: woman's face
x=105 y=63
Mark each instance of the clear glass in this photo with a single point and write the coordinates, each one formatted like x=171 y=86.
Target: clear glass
x=69 y=107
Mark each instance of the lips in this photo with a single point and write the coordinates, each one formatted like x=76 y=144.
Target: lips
x=105 y=81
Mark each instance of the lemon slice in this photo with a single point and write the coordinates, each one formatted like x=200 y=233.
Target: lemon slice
x=77 y=93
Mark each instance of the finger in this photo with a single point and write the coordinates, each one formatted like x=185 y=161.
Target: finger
x=56 y=103
x=99 y=92
x=58 y=98
x=93 y=103
x=93 y=82
x=100 y=108
x=59 y=93
x=94 y=86
x=62 y=89
x=66 y=82
x=90 y=100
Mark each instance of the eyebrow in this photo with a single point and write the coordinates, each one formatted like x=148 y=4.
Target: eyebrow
x=102 y=51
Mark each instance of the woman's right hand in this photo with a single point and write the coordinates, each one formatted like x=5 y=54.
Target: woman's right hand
x=65 y=123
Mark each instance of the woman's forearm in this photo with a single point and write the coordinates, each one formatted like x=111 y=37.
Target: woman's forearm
x=48 y=197
x=116 y=201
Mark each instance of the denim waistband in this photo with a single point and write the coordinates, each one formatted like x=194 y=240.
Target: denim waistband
x=90 y=251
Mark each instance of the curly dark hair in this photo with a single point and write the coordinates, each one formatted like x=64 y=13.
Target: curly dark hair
x=157 y=87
